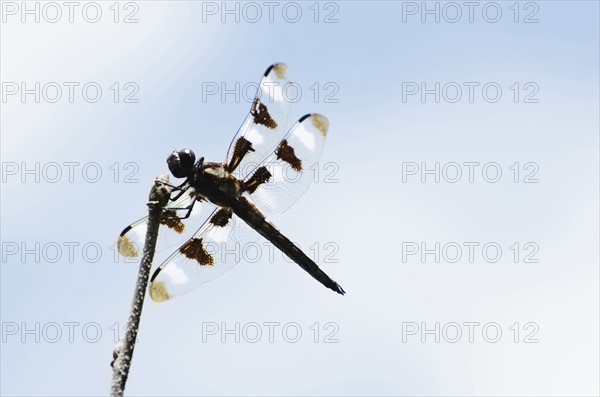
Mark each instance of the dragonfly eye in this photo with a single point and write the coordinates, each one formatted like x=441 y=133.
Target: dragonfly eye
x=181 y=163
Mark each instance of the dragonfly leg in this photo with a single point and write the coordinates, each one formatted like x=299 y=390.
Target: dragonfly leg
x=179 y=188
x=187 y=215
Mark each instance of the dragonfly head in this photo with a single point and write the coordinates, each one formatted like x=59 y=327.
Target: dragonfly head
x=181 y=163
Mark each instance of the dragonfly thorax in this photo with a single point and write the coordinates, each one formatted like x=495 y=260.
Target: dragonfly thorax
x=213 y=181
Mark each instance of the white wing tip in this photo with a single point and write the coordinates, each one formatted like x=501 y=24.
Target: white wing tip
x=126 y=247
x=158 y=291
x=321 y=123
x=279 y=69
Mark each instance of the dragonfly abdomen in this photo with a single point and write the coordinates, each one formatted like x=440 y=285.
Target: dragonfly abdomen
x=255 y=219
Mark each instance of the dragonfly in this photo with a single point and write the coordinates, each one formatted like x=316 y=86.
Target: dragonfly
x=227 y=204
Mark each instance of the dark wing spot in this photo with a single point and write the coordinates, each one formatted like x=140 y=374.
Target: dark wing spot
x=194 y=249
x=259 y=177
x=286 y=153
x=261 y=114
x=173 y=222
x=222 y=217
x=242 y=146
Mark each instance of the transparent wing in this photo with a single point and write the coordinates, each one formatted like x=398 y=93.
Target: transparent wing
x=265 y=125
x=285 y=175
x=213 y=250
x=172 y=231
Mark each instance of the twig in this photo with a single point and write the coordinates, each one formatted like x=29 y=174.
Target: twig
x=123 y=353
